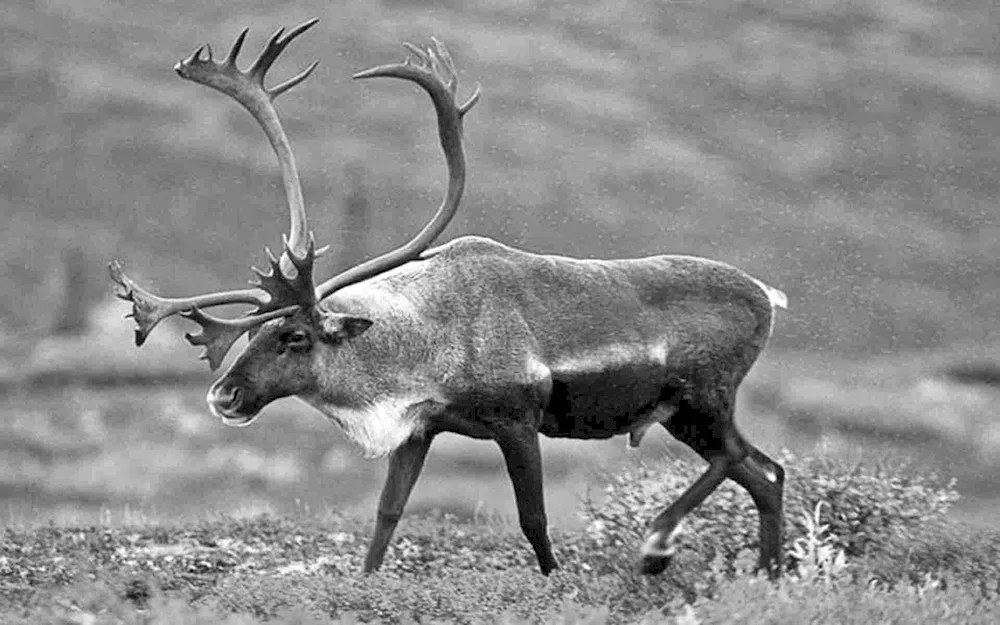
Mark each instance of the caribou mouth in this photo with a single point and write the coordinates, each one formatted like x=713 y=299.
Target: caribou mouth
x=238 y=422
x=229 y=407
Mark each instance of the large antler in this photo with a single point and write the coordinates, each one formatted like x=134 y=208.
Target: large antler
x=248 y=89
x=288 y=285
x=282 y=295
x=434 y=70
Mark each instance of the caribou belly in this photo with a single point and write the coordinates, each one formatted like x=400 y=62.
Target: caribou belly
x=612 y=391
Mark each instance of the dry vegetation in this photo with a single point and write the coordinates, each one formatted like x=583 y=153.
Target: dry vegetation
x=844 y=151
x=865 y=545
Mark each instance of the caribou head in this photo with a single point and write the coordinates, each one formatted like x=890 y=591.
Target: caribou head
x=294 y=336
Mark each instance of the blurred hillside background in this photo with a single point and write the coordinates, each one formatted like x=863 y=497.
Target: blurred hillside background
x=844 y=151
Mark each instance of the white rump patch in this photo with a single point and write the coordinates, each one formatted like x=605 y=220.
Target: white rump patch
x=776 y=296
x=377 y=429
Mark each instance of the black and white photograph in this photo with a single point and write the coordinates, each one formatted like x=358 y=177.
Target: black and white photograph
x=500 y=311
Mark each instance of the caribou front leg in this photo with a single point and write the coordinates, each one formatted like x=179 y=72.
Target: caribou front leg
x=521 y=451
x=405 y=464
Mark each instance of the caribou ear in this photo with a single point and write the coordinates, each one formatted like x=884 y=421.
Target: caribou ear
x=339 y=327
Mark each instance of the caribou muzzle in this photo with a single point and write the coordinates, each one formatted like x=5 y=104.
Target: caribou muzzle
x=230 y=403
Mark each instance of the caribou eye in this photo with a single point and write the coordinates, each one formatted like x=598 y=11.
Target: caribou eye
x=297 y=340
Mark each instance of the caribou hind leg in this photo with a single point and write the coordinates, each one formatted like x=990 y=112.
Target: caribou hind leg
x=764 y=479
x=704 y=422
x=658 y=549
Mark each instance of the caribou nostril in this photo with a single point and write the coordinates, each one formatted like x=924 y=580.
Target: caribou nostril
x=225 y=398
x=228 y=397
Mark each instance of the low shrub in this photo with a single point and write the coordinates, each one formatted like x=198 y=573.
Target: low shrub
x=865 y=508
x=864 y=545
x=951 y=552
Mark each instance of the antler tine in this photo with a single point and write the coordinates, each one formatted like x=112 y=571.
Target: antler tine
x=234 y=52
x=415 y=51
x=248 y=89
x=217 y=336
x=434 y=65
x=196 y=55
x=148 y=309
x=291 y=82
x=435 y=72
x=267 y=57
x=282 y=288
x=442 y=54
x=274 y=48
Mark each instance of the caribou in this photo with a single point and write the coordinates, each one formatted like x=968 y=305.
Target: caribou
x=478 y=338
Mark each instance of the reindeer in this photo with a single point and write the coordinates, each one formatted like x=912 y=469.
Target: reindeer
x=481 y=339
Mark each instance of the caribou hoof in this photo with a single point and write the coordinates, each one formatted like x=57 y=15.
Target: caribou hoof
x=657 y=552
